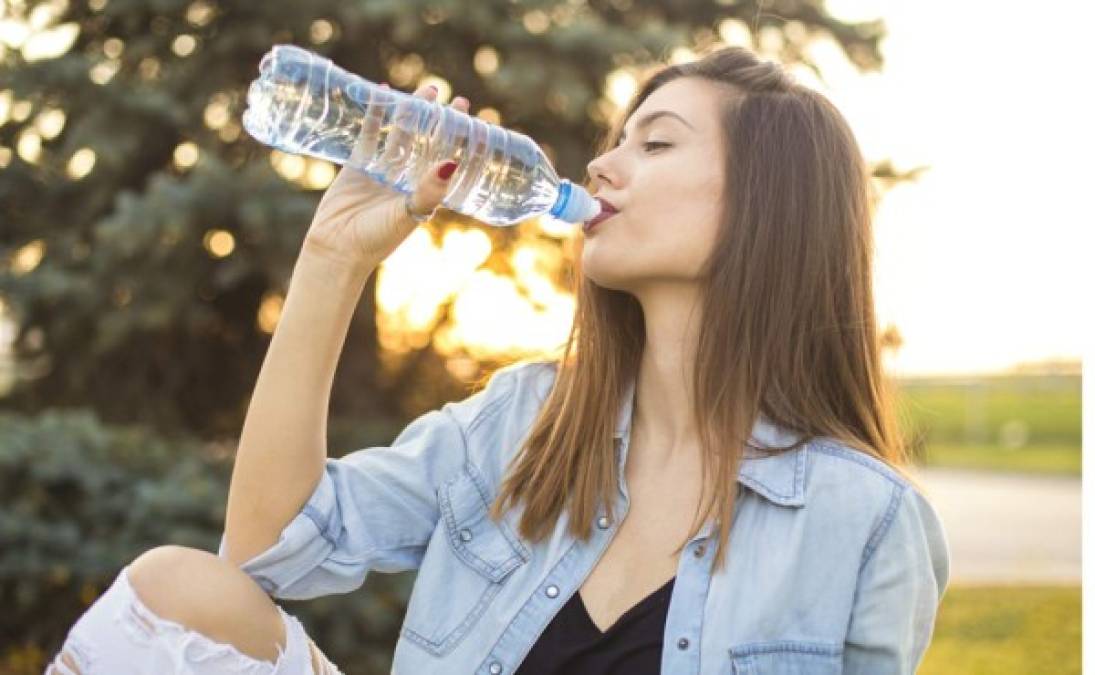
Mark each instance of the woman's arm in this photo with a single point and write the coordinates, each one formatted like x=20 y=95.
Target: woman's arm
x=376 y=508
x=283 y=444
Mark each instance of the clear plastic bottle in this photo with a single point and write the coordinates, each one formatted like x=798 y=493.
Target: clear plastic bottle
x=302 y=103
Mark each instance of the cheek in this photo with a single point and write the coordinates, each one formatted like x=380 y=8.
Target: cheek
x=706 y=211
x=686 y=190
x=686 y=220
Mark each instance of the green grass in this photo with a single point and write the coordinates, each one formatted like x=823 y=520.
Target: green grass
x=1047 y=459
x=1004 y=422
x=1006 y=630
x=1029 y=423
x=975 y=409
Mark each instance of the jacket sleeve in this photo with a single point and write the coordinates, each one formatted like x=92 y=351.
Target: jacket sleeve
x=901 y=584
x=374 y=508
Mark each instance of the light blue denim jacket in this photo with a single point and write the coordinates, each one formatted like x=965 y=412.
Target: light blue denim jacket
x=836 y=563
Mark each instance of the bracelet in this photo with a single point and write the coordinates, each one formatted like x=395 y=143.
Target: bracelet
x=407 y=209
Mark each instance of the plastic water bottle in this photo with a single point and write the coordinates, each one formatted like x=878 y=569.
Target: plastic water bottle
x=302 y=103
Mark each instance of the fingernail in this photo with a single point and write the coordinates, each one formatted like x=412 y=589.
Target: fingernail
x=446 y=170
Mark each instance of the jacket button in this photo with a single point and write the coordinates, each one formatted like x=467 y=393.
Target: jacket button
x=495 y=668
x=552 y=591
x=682 y=643
x=699 y=551
x=465 y=534
x=602 y=522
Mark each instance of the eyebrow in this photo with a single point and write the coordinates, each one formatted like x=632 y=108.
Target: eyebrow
x=648 y=119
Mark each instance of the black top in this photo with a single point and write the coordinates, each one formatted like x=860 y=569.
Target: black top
x=573 y=645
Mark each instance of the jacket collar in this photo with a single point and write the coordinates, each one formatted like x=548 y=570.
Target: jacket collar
x=781 y=479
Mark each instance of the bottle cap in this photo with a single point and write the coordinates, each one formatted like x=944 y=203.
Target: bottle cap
x=575 y=204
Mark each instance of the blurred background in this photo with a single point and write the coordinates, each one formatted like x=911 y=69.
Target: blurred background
x=146 y=242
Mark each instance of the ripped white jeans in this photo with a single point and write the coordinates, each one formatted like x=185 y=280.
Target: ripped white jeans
x=120 y=635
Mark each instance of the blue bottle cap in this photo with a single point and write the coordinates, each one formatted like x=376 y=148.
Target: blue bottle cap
x=574 y=204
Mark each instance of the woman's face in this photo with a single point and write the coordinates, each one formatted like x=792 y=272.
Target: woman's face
x=666 y=179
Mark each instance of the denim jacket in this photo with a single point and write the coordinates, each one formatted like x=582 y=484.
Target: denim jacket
x=837 y=564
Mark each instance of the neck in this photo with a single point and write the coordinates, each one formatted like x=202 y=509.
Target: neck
x=664 y=405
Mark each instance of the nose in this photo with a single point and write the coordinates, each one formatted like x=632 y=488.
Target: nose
x=598 y=170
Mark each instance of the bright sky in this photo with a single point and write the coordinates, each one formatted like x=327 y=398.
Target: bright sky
x=979 y=263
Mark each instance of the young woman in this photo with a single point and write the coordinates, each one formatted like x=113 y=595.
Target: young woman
x=709 y=480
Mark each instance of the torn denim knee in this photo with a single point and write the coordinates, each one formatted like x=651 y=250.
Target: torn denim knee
x=73 y=659
x=119 y=635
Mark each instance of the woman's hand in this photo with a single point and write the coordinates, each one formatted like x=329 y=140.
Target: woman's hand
x=359 y=222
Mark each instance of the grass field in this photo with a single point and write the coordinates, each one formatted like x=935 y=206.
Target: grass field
x=1006 y=630
x=1051 y=459
x=1005 y=422
x=1025 y=423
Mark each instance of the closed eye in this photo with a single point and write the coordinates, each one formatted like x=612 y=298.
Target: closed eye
x=658 y=144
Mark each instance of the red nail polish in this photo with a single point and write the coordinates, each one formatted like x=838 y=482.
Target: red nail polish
x=446 y=170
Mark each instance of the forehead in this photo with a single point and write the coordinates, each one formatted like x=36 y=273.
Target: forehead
x=693 y=99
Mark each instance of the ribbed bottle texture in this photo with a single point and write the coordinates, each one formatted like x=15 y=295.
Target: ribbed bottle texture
x=302 y=103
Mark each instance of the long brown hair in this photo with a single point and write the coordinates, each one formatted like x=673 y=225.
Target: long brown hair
x=788 y=328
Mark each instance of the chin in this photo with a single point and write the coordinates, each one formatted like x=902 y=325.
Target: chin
x=605 y=278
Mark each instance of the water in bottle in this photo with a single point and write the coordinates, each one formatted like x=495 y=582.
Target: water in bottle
x=302 y=103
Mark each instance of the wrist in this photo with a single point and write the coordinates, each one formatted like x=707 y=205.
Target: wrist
x=320 y=264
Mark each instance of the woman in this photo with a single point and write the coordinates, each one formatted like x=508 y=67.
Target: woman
x=708 y=481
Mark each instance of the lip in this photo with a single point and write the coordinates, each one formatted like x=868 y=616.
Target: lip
x=607 y=205
x=603 y=215
x=608 y=209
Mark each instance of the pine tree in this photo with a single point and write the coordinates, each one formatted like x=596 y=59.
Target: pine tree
x=147 y=231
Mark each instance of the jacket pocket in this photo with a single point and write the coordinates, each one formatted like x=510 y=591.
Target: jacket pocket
x=785 y=657
x=464 y=568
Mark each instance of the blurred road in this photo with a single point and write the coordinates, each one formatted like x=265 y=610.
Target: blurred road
x=1008 y=528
